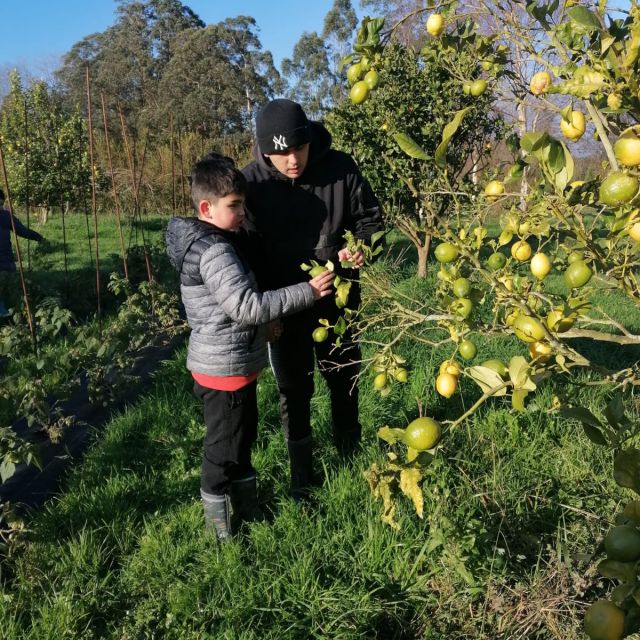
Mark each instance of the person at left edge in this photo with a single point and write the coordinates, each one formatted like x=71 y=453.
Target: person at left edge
x=7 y=261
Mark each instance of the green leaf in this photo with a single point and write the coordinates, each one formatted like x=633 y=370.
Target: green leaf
x=566 y=113
x=581 y=414
x=533 y=141
x=614 y=413
x=626 y=469
x=487 y=379
x=583 y=18
x=340 y=326
x=555 y=157
x=594 y=434
x=390 y=435
x=410 y=146
x=519 y=374
x=447 y=134
x=517 y=399
x=7 y=469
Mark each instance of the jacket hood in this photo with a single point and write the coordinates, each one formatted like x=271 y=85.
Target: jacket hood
x=181 y=234
x=320 y=145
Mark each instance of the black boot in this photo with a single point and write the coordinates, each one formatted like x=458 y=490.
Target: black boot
x=217 y=514
x=347 y=441
x=244 y=500
x=301 y=460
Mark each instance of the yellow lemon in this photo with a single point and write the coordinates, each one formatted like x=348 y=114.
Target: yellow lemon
x=573 y=130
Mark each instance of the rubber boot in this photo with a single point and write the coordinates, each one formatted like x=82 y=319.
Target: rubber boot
x=4 y=312
x=217 y=514
x=244 y=500
x=348 y=442
x=301 y=461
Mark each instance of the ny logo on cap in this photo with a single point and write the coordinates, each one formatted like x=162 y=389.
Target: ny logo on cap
x=280 y=143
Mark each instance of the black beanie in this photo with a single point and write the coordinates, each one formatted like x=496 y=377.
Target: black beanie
x=281 y=124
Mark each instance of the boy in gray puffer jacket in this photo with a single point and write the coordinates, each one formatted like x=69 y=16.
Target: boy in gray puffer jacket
x=227 y=315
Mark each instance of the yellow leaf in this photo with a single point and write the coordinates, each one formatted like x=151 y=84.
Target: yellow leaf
x=409 y=479
x=388 y=506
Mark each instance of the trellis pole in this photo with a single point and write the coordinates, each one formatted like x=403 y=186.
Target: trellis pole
x=32 y=328
x=116 y=199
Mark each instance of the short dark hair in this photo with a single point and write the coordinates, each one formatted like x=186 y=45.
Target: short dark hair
x=215 y=176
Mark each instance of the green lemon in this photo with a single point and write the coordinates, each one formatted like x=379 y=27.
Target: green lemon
x=422 y=434
x=446 y=252
x=578 y=273
x=618 y=188
x=528 y=329
x=467 y=349
x=320 y=334
x=359 y=92
x=496 y=365
x=461 y=288
x=496 y=261
x=478 y=87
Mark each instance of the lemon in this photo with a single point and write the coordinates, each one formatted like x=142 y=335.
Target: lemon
x=467 y=349
x=578 y=273
x=521 y=251
x=540 y=351
x=461 y=287
x=446 y=384
x=320 y=334
x=372 y=79
x=627 y=150
x=622 y=543
x=604 y=621
x=618 y=188
x=575 y=128
x=446 y=252
x=354 y=73
x=539 y=82
x=359 y=92
x=451 y=367
x=540 y=266
x=401 y=374
x=435 y=24
x=380 y=381
x=496 y=261
x=634 y=232
x=317 y=270
x=494 y=189
x=478 y=87
x=528 y=329
x=496 y=365
x=422 y=434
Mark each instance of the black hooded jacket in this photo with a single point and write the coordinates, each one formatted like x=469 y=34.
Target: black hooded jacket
x=304 y=219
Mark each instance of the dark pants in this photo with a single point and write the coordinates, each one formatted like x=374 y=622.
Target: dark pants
x=231 y=419
x=293 y=358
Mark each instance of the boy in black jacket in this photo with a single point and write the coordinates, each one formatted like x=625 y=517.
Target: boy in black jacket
x=303 y=195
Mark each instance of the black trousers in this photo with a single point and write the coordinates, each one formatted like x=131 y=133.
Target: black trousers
x=293 y=358
x=231 y=420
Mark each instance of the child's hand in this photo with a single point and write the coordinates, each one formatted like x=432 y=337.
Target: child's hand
x=321 y=285
x=356 y=258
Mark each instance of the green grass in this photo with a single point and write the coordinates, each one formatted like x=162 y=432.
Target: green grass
x=64 y=266
x=515 y=505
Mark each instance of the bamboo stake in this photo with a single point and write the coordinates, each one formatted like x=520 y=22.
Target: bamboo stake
x=184 y=199
x=32 y=328
x=173 y=167
x=116 y=199
x=93 y=196
x=27 y=177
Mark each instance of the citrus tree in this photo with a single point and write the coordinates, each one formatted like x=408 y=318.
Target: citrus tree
x=391 y=136
x=537 y=258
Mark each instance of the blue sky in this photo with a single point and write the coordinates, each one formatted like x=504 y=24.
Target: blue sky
x=36 y=33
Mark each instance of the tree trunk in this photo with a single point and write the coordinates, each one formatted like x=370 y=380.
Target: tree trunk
x=423 y=254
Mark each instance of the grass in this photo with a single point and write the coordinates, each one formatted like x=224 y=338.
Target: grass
x=515 y=505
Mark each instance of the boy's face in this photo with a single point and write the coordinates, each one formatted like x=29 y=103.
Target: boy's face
x=292 y=162
x=226 y=212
